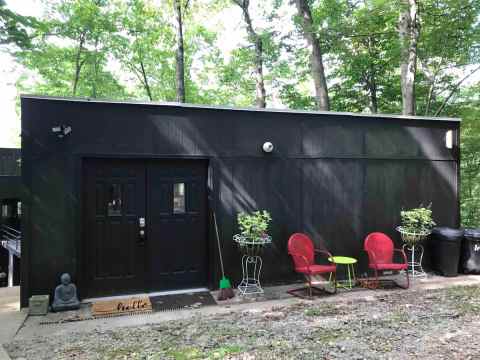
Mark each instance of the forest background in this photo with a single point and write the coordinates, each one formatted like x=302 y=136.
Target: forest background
x=415 y=57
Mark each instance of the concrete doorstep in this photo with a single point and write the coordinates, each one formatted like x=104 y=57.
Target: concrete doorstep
x=11 y=318
x=3 y=354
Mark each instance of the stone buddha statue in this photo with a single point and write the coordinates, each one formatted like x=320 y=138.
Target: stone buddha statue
x=65 y=297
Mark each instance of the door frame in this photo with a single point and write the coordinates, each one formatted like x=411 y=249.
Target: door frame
x=79 y=162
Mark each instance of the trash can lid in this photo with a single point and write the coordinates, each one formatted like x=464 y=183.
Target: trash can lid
x=448 y=233
x=473 y=233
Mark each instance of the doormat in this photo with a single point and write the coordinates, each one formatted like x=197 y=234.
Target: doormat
x=182 y=301
x=125 y=306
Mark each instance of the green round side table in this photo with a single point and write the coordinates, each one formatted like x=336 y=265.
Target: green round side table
x=349 y=262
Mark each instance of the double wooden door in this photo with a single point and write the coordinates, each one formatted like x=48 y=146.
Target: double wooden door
x=145 y=225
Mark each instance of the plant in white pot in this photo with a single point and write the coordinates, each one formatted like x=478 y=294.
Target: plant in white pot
x=253 y=231
x=251 y=240
x=416 y=225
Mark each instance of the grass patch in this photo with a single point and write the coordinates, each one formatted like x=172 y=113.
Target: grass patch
x=398 y=316
x=465 y=299
x=223 y=351
x=190 y=353
x=185 y=353
x=326 y=336
x=325 y=310
x=313 y=312
x=463 y=292
x=121 y=352
x=467 y=308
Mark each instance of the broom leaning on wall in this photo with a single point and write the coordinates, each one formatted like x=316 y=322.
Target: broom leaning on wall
x=226 y=291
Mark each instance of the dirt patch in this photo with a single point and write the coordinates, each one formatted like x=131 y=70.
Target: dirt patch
x=430 y=324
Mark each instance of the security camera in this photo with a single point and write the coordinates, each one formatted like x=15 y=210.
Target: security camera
x=62 y=130
x=267 y=147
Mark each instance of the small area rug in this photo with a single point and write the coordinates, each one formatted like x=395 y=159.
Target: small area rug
x=182 y=301
x=124 y=306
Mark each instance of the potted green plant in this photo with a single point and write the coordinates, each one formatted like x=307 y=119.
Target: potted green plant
x=416 y=224
x=251 y=240
x=253 y=231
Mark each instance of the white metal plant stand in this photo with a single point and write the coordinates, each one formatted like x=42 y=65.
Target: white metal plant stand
x=413 y=247
x=415 y=267
x=251 y=263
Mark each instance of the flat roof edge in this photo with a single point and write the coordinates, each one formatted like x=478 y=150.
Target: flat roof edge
x=231 y=108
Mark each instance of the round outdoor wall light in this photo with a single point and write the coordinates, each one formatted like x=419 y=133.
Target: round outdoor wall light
x=267 y=147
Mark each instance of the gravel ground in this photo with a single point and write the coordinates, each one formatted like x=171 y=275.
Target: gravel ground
x=435 y=324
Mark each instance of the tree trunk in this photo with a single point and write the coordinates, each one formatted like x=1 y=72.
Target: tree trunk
x=141 y=75
x=145 y=82
x=180 y=58
x=316 y=61
x=409 y=31
x=372 y=90
x=371 y=78
x=431 y=79
x=78 y=64
x=95 y=70
x=430 y=95
x=257 y=41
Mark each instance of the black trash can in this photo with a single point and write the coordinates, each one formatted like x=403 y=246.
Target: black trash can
x=471 y=251
x=446 y=245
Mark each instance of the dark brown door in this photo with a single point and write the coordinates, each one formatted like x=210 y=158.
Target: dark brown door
x=166 y=251
x=114 y=203
x=177 y=224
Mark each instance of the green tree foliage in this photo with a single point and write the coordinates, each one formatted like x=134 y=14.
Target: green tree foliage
x=467 y=107
x=236 y=74
x=14 y=28
x=146 y=48
x=71 y=55
x=360 y=46
x=448 y=45
x=126 y=49
x=367 y=52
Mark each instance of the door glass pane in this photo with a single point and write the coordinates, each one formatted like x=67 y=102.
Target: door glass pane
x=5 y=210
x=115 y=200
x=178 y=198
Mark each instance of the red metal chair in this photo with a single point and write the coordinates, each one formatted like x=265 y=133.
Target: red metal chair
x=380 y=250
x=301 y=248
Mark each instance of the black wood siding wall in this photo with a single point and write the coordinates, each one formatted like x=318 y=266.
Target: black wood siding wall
x=10 y=183
x=9 y=162
x=10 y=193
x=336 y=177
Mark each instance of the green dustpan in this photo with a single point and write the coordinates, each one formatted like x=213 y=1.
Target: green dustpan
x=225 y=283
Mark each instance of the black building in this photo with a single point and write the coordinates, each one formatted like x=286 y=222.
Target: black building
x=10 y=206
x=10 y=165
x=92 y=170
